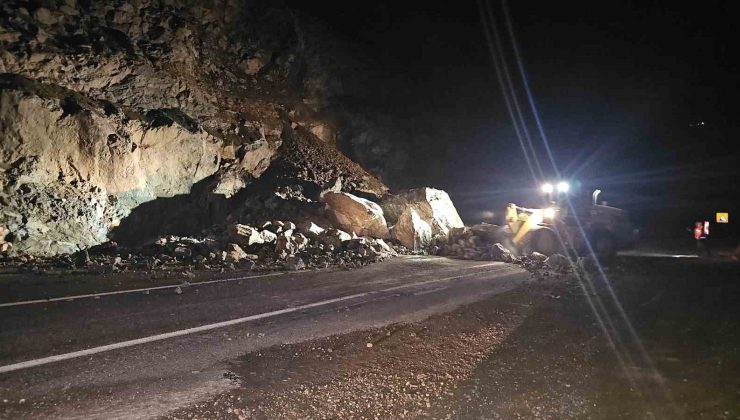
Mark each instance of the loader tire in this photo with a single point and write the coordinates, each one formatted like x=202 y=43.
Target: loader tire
x=545 y=242
x=604 y=245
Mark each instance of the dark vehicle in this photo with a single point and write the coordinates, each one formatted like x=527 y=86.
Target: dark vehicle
x=569 y=224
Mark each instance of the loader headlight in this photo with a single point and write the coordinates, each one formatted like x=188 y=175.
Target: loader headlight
x=547 y=188
x=549 y=213
x=563 y=187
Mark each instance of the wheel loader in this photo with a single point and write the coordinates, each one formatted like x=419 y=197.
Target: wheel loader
x=569 y=226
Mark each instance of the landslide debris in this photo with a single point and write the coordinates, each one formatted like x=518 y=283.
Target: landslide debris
x=487 y=242
x=128 y=122
x=147 y=118
x=275 y=245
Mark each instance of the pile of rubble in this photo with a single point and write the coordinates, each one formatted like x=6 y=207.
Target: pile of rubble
x=484 y=242
x=306 y=245
x=276 y=245
x=355 y=231
x=479 y=242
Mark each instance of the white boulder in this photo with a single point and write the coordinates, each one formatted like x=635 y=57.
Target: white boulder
x=411 y=230
x=431 y=205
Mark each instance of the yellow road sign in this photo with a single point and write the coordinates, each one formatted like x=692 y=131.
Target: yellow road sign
x=723 y=217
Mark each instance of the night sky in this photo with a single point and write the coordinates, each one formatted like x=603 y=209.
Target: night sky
x=622 y=89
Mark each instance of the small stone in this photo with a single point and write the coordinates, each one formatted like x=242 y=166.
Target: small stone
x=500 y=253
x=234 y=253
x=558 y=262
x=310 y=229
x=67 y=10
x=268 y=237
x=183 y=252
x=294 y=263
x=536 y=256
x=245 y=235
x=44 y=16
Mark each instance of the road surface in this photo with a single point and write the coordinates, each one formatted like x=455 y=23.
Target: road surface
x=145 y=350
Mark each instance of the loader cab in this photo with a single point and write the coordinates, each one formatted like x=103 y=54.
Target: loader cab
x=605 y=220
x=607 y=228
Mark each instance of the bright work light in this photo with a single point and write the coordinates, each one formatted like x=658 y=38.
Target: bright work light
x=563 y=187
x=547 y=188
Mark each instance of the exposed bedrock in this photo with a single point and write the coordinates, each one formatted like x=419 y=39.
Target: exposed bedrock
x=128 y=119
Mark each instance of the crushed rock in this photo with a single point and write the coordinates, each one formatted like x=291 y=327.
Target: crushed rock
x=275 y=245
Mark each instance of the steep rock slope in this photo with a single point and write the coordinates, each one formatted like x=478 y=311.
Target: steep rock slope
x=109 y=107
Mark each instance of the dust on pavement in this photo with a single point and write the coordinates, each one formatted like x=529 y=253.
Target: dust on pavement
x=535 y=352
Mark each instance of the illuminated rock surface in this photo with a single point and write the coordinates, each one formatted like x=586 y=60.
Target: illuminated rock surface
x=136 y=119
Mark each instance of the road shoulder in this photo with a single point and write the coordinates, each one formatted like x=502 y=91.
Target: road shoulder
x=549 y=349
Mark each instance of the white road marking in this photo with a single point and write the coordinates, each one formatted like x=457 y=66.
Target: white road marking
x=208 y=327
x=655 y=254
x=145 y=289
x=170 y=286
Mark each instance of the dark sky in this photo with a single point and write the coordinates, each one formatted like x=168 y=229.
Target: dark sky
x=618 y=85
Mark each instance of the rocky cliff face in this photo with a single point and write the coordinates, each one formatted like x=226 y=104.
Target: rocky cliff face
x=109 y=108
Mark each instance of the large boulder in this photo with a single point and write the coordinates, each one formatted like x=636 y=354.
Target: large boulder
x=430 y=205
x=412 y=230
x=355 y=215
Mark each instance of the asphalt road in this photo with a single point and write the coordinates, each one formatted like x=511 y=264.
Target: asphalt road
x=144 y=353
